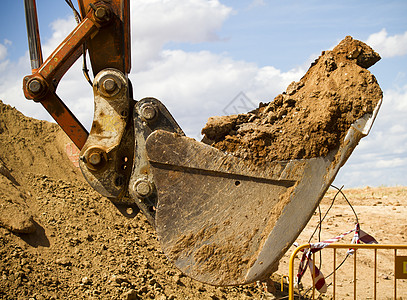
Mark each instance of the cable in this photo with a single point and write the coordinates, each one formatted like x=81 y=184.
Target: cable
x=330 y=274
x=78 y=19
x=85 y=69
x=319 y=227
x=75 y=12
x=326 y=213
x=354 y=212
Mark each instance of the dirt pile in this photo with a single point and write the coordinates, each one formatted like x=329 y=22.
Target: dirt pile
x=27 y=145
x=59 y=239
x=31 y=145
x=311 y=117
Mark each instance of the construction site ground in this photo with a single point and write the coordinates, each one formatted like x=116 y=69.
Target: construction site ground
x=59 y=239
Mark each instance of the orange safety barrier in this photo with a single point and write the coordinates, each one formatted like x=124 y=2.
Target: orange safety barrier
x=400 y=266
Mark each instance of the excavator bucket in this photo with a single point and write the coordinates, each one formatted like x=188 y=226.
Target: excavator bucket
x=227 y=217
x=223 y=222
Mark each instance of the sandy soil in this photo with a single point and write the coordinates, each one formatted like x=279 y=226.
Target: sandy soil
x=381 y=212
x=61 y=240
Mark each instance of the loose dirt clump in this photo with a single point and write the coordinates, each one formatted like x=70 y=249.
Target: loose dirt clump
x=311 y=117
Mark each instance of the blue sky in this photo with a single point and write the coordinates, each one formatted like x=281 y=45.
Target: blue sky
x=198 y=55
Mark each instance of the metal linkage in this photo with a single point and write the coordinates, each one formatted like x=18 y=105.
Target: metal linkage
x=107 y=156
x=48 y=75
x=105 y=30
x=149 y=115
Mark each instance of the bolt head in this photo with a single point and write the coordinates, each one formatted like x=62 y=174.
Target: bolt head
x=35 y=86
x=109 y=85
x=148 y=111
x=143 y=188
x=101 y=13
x=95 y=158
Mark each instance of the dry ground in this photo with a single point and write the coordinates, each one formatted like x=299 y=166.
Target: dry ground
x=382 y=213
x=60 y=240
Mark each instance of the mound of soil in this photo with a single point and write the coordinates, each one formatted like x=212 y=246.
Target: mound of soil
x=311 y=117
x=59 y=239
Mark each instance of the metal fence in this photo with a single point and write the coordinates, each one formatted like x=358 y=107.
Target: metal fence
x=399 y=269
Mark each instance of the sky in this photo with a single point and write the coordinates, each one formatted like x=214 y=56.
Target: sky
x=203 y=58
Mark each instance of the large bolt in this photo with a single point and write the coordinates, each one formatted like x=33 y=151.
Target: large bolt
x=109 y=85
x=102 y=13
x=143 y=188
x=148 y=111
x=95 y=158
x=35 y=86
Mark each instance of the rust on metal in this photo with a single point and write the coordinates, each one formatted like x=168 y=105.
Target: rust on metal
x=110 y=48
x=108 y=152
x=41 y=85
x=95 y=158
x=65 y=119
x=56 y=65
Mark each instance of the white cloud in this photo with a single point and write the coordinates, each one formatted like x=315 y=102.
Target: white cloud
x=197 y=85
x=256 y=3
x=381 y=157
x=398 y=98
x=193 y=85
x=11 y=92
x=3 y=52
x=388 y=46
x=71 y=89
x=391 y=163
x=60 y=29
x=157 y=22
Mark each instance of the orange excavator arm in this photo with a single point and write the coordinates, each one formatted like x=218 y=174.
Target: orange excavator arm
x=104 y=28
